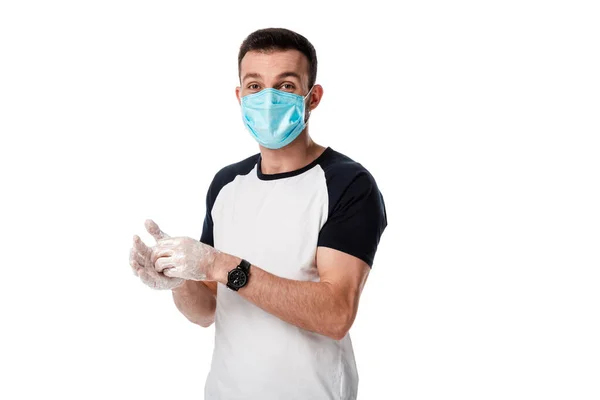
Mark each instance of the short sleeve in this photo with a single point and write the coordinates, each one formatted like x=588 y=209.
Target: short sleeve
x=356 y=220
x=222 y=178
x=207 y=230
x=207 y=227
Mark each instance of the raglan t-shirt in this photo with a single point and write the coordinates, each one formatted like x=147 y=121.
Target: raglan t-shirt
x=276 y=222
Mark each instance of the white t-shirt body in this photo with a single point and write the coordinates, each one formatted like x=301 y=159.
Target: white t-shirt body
x=277 y=222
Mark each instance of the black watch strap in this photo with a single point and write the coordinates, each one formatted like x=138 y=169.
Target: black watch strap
x=244 y=266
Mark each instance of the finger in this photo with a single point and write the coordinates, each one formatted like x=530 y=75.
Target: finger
x=134 y=256
x=163 y=263
x=133 y=263
x=157 y=281
x=168 y=242
x=154 y=230
x=158 y=252
x=142 y=252
x=144 y=261
x=140 y=246
x=147 y=279
x=172 y=273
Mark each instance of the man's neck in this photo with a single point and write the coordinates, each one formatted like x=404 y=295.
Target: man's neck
x=296 y=155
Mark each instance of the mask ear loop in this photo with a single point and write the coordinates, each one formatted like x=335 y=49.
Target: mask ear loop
x=305 y=107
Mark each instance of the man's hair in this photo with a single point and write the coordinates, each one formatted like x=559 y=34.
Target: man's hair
x=272 y=39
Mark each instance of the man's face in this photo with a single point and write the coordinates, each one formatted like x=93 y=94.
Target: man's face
x=282 y=70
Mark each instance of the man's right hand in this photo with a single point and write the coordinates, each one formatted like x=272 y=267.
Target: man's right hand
x=141 y=263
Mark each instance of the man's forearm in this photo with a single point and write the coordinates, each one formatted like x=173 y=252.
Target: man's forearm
x=196 y=301
x=314 y=306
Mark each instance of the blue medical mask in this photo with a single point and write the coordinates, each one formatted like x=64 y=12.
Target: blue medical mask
x=273 y=117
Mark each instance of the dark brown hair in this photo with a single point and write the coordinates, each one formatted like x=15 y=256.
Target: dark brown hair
x=280 y=39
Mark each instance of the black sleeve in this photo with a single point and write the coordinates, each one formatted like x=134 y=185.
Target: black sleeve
x=357 y=218
x=207 y=227
x=222 y=178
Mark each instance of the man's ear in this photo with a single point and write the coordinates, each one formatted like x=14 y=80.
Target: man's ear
x=315 y=97
x=237 y=94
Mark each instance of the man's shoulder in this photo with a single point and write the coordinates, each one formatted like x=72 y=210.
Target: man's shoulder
x=229 y=172
x=341 y=169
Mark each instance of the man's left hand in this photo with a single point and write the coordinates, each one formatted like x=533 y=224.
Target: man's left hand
x=184 y=257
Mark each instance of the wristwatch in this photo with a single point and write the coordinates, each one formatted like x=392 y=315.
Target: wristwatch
x=238 y=277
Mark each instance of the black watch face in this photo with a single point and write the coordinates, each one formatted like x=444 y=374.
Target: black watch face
x=237 y=278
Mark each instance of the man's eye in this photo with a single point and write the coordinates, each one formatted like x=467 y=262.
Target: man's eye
x=253 y=86
x=287 y=86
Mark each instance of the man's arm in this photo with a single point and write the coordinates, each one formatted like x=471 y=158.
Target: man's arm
x=327 y=307
x=197 y=301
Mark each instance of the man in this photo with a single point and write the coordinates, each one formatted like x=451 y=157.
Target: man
x=288 y=240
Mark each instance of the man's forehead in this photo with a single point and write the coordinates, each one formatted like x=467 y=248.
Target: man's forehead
x=273 y=62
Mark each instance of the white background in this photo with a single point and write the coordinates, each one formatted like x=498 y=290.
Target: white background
x=479 y=121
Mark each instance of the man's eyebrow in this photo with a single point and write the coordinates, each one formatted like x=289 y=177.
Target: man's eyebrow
x=288 y=74
x=280 y=76
x=251 y=75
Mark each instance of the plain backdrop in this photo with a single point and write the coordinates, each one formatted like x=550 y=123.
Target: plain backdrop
x=478 y=120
